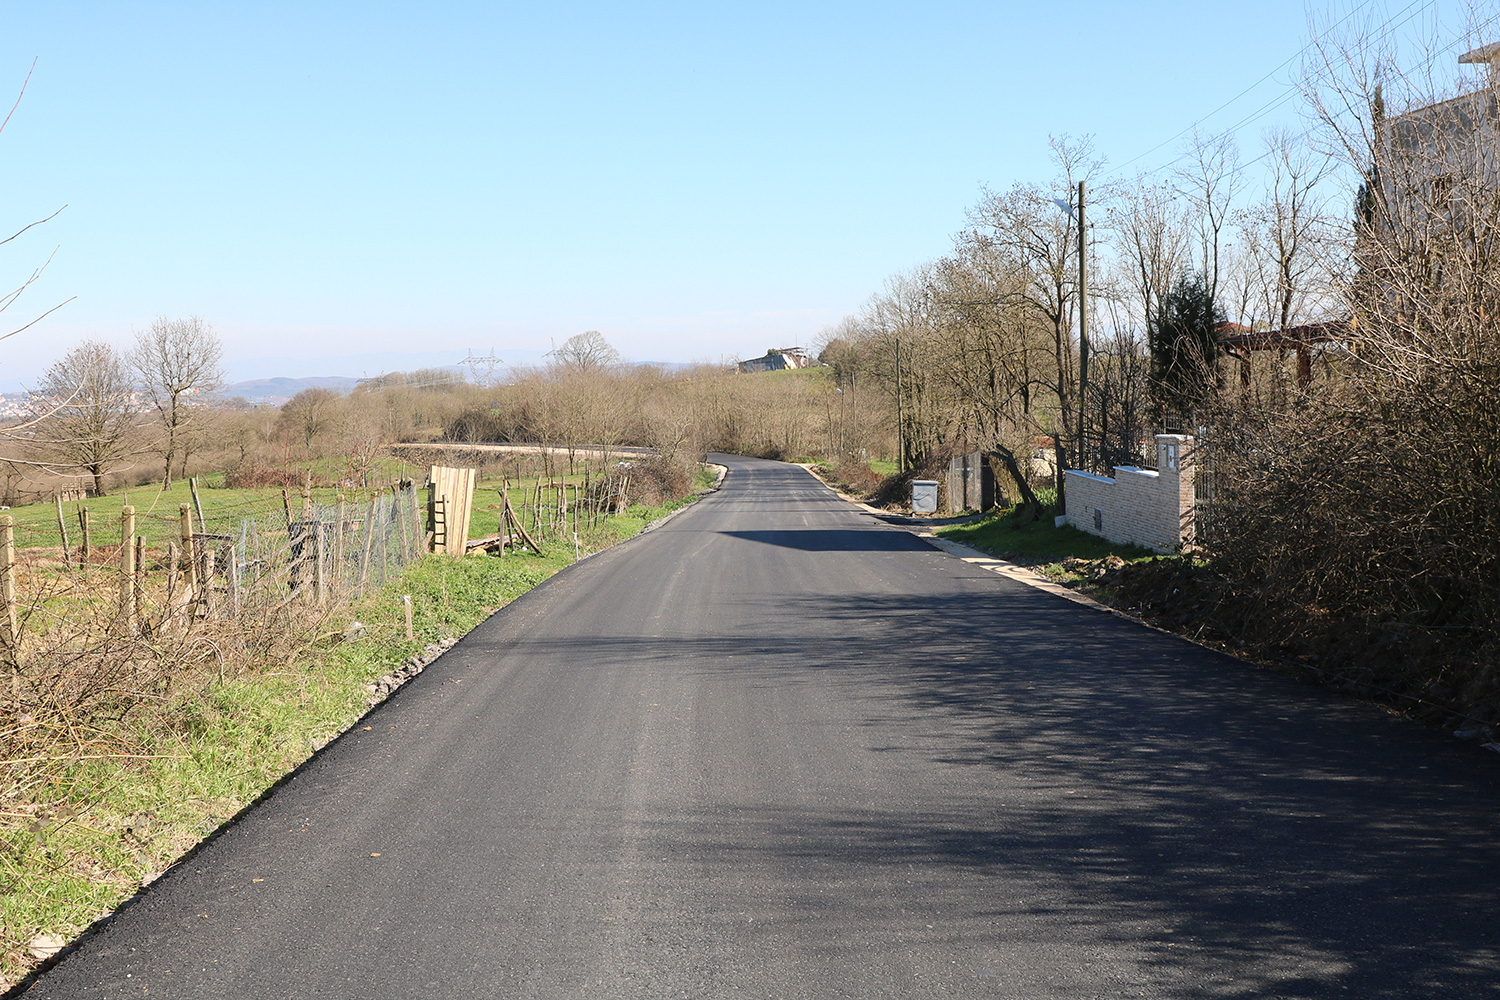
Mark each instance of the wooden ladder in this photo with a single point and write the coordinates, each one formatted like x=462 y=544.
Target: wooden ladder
x=439 y=524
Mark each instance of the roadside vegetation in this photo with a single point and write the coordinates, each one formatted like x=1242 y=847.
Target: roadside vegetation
x=1062 y=552
x=100 y=798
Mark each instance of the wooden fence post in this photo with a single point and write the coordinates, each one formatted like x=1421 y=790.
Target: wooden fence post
x=138 y=592
x=171 y=576
x=504 y=520
x=83 y=526
x=207 y=571
x=190 y=557
x=233 y=571
x=406 y=603
x=364 y=552
x=399 y=527
x=536 y=511
x=416 y=520
x=336 y=560
x=127 y=569
x=320 y=584
x=385 y=542
x=198 y=504
x=10 y=629
x=62 y=527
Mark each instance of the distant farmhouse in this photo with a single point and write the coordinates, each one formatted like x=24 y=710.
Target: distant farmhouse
x=778 y=359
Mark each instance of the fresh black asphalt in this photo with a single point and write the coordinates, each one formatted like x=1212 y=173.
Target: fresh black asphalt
x=777 y=748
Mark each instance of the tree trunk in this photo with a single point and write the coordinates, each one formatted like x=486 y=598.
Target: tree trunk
x=1031 y=505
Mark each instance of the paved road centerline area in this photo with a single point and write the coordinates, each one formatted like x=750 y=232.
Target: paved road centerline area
x=778 y=748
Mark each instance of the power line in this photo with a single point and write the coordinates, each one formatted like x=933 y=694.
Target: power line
x=1242 y=93
x=1275 y=102
x=1308 y=131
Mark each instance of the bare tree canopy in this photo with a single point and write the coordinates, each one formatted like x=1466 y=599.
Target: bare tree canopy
x=1210 y=182
x=176 y=360
x=308 y=413
x=585 y=354
x=85 y=404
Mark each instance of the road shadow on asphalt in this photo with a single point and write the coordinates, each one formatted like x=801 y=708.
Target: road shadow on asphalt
x=835 y=539
x=1303 y=845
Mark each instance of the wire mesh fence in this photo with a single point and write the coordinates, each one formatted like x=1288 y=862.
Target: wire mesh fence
x=92 y=573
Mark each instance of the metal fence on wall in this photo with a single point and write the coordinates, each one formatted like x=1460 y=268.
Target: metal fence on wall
x=1205 y=476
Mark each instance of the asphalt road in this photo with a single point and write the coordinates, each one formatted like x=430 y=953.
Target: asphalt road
x=777 y=748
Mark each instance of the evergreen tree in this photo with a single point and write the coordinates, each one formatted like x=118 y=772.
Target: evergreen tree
x=1185 y=345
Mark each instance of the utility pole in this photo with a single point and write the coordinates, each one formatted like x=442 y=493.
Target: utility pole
x=1083 y=334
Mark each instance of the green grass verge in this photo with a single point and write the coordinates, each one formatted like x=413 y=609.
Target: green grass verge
x=104 y=827
x=1041 y=543
x=157 y=512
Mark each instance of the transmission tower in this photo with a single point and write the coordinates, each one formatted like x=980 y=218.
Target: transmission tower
x=486 y=363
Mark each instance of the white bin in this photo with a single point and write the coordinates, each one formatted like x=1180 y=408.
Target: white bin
x=924 y=496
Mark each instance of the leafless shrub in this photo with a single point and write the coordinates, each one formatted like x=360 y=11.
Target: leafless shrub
x=1357 y=518
x=96 y=652
x=261 y=476
x=1367 y=512
x=652 y=481
x=857 y=476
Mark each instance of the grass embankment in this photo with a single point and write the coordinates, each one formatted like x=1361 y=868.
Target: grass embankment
x=105 y=823
x=1184 y=594
x=1063 y=553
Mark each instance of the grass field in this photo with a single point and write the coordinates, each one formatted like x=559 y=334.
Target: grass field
x=158 y=510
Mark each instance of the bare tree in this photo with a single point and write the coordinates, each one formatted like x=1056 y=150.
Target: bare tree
x=1025 y=227
x=1366 y=509
x=85 y=411
x=991 y=345
x=1289 y=231
x=1209 y=182
x=307 y=414
x=25 y=431
x=900 y=333
x=361 y=437
x=1151 y=244
x=585 y=354
x=176 y=360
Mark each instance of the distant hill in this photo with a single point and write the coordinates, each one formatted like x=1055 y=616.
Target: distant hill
x=275 y=391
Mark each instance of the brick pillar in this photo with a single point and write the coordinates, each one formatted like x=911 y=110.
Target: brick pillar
x=1174 y=465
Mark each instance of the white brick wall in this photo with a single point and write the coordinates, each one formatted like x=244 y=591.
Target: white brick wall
x=1139 y=506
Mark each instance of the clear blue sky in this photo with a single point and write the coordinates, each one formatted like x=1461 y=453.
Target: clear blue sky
x=324 y=182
